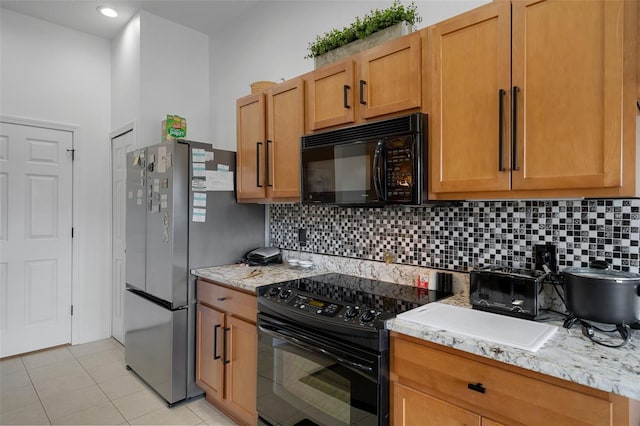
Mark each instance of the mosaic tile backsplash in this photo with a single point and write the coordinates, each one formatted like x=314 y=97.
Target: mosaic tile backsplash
x=469 y=234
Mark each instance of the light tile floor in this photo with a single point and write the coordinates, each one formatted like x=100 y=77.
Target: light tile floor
x=89 y=385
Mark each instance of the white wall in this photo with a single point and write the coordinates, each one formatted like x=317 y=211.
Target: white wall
x=174 y=78
x=271 y=41
x=125 y=75
x=159 y=68
x=51 y=73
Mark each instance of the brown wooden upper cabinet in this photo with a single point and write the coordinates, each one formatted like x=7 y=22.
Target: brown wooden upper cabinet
x=380 y=81
x=534 y=99
x=269 y=127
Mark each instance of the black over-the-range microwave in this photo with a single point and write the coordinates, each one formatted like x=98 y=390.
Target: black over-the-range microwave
x=371 y=164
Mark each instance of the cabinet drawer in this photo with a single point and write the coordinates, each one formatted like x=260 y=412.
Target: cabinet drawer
x=506 y=394
x=231 y=301
x=410 y=407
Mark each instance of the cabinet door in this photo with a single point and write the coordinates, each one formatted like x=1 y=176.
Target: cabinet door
x=390 y=77
x=331 y=95
x=470 y=60
x=251 y=131
x=568 y=67
x=285 y=111
x=241 y=369
x=410 y=407
x=209 y=367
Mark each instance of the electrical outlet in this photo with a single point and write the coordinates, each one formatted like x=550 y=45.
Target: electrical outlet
x=302 y=237
x=546 y=254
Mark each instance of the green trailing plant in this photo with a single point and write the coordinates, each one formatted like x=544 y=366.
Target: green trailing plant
x=372 y=22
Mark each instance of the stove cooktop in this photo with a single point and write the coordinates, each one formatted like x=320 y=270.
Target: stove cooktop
x=342 y=300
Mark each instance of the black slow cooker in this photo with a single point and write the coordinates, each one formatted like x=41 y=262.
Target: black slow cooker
x=600 y=294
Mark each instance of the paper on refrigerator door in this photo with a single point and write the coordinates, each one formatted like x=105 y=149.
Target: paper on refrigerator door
x=199 y=170
x=199 y=215
x=218 y=180
x=199 y=199
x=198 y=184
x=162 y=159
x=197 y=155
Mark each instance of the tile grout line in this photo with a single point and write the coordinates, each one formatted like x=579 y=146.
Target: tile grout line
x=186 y=404
x=35 y=389
x=98 y=385
x=76 y=357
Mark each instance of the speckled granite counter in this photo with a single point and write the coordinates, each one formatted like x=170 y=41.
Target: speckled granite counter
x=566 y=355
x=251 y=277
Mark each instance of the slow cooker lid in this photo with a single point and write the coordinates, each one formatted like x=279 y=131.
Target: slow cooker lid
x=602 y=274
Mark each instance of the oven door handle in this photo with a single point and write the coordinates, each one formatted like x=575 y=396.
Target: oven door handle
x=308 y=347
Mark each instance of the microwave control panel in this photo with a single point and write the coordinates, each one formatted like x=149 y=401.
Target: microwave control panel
x=399 y=168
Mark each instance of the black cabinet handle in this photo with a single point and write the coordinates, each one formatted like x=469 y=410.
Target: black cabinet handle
x=514 y=135
x=258 y=144
x=267 y=161
x=501 y=94
x=477 y=387
x=224 y=346
x=222 y=299
x=215 y=341
x=345 y=95
x=362 y=84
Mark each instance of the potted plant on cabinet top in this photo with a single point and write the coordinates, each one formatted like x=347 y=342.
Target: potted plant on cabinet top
x=376 y=27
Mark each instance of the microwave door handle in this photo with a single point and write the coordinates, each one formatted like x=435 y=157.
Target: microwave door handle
x=377 y=166
x=413 y=165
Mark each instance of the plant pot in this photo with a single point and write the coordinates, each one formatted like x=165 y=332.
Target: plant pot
x=398 y=30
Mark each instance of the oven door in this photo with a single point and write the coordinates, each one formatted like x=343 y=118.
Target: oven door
x=307 y=379
x=349 y=173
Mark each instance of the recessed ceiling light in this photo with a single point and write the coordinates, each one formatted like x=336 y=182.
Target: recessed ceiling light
x=107 y=11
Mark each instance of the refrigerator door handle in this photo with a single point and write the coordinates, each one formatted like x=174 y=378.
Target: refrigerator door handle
x=160 y=302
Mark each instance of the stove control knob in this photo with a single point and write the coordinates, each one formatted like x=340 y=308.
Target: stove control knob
x=352 y=312
x=285 y=293
x=368 y=315
x=273 y=291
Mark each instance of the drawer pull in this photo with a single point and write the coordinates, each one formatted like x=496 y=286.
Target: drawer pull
x=477 y=387
x=222 y=299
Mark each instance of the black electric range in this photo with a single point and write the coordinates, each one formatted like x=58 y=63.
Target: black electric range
x=323 y=351
x=351 y=308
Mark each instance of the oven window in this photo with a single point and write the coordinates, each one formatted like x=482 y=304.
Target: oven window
x=300 y=386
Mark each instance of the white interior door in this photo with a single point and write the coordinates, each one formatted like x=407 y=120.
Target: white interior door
x=120 y=145
x=35 y=238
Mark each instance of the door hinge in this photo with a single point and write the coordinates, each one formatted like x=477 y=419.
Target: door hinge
x=71 y=310
x=73 y=153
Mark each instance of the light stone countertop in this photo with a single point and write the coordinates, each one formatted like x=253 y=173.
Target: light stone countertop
x=567 y=355
x=249 y=278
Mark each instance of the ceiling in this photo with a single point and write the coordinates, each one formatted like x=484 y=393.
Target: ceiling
x=206 y=16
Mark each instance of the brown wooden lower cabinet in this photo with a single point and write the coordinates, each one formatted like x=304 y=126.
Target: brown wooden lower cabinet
x=226 y=349
x=437 y=385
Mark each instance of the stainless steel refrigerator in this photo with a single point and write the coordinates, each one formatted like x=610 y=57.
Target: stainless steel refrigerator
x=181 y=214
